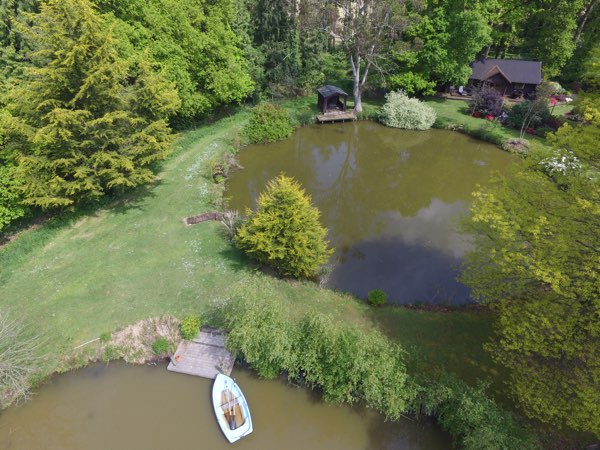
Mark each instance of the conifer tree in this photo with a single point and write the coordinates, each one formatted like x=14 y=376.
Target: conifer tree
x=277 y=36
x=284 y=232
x=83 y=123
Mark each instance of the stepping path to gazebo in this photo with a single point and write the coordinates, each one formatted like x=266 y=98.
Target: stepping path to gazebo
x=205 y=356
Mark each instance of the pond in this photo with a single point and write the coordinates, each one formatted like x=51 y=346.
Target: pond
x=390 y=199
x=146 y=408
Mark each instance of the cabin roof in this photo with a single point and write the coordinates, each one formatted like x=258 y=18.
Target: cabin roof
x=329 y=90
x=514 y=70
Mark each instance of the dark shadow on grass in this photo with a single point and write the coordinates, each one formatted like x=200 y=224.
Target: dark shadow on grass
x=237 y=260
x=44 y=226
x=135 y=199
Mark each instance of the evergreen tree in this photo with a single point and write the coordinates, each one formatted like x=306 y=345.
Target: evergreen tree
x=13 y=50
x=82 y=123
x=277 y=36
x=284 y=232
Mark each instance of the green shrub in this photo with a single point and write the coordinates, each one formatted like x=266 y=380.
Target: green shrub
x=400 y=111
x=284 y=232
x=412 y=83
x=346 y=363
x=268 y=123
x=105 y=337
x=190 y=325
x=111 y=353
x=377 y=297
x=162 y=346
x=471 y=417
x=11 y=206
x=522 y=112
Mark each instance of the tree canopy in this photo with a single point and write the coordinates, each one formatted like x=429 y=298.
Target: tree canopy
x=81 y=120
x=536 y=261
x=284 y=232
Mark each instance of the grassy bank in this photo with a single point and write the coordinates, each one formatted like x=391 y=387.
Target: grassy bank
x=453 y=114
x=75 y=279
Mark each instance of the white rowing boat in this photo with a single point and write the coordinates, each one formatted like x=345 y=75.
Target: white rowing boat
x=231 y=408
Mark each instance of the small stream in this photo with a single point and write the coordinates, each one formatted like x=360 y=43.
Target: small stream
x=390 y=199
x=123 y=407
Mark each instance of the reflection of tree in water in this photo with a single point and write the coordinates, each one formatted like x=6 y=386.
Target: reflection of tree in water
x=372 y=182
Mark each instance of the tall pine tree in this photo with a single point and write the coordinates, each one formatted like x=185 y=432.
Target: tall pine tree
x=83 y=121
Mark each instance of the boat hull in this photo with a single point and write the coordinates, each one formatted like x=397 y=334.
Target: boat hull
x=231 y=408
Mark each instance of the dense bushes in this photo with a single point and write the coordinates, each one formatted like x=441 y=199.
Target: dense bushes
x=471 y=417
x=487 y=100
x=349 y=365
x=193 y=42
x=352 y=365
x=400 y=111
x=284 y=232
x=268 y=123
x=522 y=113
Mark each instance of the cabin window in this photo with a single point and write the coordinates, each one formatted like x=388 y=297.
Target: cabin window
x=519 y=85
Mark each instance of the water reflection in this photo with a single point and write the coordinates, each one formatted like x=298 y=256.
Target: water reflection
x=373 y=185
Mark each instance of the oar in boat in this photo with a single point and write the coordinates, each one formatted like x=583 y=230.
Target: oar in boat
x=232 y=413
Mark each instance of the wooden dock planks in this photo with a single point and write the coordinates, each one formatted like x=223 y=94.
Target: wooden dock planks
x=205 y=356
x=336 y=117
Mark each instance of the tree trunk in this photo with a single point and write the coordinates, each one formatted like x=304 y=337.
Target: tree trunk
x=357 y=95
x=356 y=90
x=583 y=19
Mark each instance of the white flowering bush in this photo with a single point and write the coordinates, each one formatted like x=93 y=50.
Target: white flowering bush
x=401 y=111
x=561 y=163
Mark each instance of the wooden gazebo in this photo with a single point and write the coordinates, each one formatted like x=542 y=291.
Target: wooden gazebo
x=332 y=99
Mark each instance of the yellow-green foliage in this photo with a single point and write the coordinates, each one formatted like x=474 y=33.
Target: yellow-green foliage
x=82 y=122
x=190 y=325
x=284 y=232
x=536 y=261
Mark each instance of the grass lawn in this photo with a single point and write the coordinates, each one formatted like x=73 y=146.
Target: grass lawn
x=75 y=279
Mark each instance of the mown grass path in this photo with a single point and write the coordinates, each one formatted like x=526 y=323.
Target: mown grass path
x=136 y=259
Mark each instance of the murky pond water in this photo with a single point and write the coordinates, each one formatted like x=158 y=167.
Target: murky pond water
x=389 y=197
x=120 y=407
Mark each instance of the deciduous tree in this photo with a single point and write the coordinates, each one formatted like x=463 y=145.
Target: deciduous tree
x=537 y=262
x=366 y=30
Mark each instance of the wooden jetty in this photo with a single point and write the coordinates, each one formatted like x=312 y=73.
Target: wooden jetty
x=336 y=116
x=205 y=356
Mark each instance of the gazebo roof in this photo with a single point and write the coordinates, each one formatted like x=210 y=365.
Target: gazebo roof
x=329 y=90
